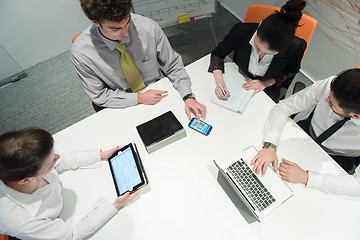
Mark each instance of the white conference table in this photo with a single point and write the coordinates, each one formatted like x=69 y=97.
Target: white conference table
x=186 y=197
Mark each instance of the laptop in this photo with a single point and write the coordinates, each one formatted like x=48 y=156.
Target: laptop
x=261 y=194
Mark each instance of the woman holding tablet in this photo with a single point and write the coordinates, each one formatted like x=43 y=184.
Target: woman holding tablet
x=30 y=189
x=268 y=53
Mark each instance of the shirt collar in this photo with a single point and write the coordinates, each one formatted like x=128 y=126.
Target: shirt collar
x=251 y=42
x=110 y=43
x=356 y=121
x=338 y=117
x=30 y=202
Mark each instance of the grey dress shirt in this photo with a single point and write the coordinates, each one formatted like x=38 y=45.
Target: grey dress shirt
x=97 y=62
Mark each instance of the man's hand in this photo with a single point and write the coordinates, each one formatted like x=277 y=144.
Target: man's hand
x=219 y=92
x=150 y=97
x=124 y=199
x=263 y=159
x=291 y=172
x=104 y=155
x=255 y=84
x=193 y=106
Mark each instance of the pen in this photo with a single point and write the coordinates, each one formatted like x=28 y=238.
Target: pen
x=222 y=90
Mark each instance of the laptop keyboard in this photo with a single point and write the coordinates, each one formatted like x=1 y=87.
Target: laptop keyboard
x=250 y=183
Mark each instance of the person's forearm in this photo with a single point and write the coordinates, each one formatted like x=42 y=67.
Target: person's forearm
x=74 y=160
x=274 y=125
x=102 y=212
x=269 y=82
x=218 y=76
x=343 y=184
x=140 y=98
x=216 y=63
x=173 y=66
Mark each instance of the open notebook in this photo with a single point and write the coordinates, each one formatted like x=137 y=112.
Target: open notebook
x=239 y=97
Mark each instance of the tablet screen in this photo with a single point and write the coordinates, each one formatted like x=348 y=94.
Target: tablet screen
x=159 y=128
x=125 y=170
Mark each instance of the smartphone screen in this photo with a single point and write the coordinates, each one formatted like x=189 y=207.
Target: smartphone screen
x=200 y=126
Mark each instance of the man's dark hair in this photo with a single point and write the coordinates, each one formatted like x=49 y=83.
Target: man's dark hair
x=346 y=90
x=110 y=10
x=23 y=153
x=278 y=29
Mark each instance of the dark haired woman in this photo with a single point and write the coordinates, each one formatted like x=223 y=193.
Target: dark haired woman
x=30 y=189
x=268 y=53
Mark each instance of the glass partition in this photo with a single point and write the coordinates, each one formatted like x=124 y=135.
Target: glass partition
x=10 y=71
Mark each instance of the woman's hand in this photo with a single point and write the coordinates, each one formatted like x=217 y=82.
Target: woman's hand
x=104 y=155
x=219 y=92
x=124 y=199
x=258 y=85
x=219 y=80
x=255 y=84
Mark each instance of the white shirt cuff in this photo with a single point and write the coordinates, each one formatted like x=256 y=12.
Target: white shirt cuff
x=314 y=180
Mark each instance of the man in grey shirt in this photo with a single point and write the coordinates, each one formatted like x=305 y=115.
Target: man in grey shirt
x=96 y=58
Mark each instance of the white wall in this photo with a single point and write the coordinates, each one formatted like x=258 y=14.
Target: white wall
x=335 y=45
x=36 y=30
x=239 y=7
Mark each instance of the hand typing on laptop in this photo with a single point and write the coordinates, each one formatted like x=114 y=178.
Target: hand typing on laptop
x=291 y=172
x=263 y=159
x=288 y=170
x=261 y=194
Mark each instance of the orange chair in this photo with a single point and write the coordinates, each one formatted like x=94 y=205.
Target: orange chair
x=358 y=66
x=258 y=12
x=4 y=237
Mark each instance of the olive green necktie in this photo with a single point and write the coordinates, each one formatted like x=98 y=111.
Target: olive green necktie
x=131 y=72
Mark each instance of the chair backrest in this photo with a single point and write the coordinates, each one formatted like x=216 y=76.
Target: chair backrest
x=4 y=237
x=258 y=12
x=74 y=38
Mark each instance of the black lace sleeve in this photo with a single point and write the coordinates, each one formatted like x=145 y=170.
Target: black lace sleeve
x=216 y=63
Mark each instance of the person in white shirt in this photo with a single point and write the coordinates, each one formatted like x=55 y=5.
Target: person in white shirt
x=30 y=189
x=335 y=98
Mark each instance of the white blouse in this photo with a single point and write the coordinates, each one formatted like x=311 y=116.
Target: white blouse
x=256 y=67
x=36 y=215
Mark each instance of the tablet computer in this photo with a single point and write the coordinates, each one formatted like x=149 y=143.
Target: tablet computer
x=127 y=170
x=160 y=131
